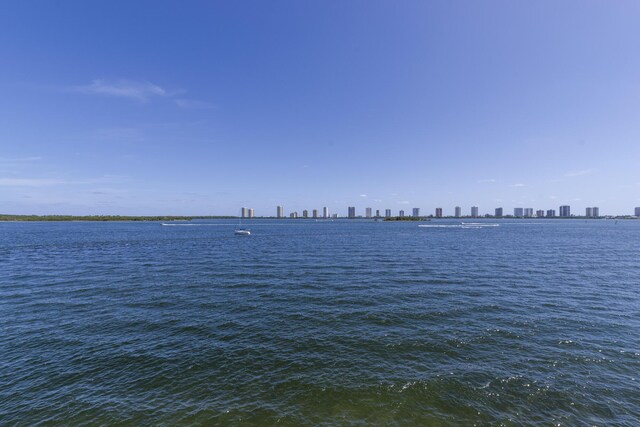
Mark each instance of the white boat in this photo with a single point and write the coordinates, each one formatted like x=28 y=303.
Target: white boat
x=241 y=231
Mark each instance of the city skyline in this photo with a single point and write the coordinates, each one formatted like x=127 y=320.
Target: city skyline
x=498 y=212
x=229 y=104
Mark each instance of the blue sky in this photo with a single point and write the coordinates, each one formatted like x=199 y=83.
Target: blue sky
x=196 y=108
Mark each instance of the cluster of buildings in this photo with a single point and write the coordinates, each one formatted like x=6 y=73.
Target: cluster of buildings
x=563 y=212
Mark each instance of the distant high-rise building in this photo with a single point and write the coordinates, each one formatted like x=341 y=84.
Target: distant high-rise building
x=565 y=211
x=378 y=213
x=474 y=211
x=551 y=213
x=251 y=213
x=387 y=213
x=315 y=213
x=280 y=212
x=352 y=212
x=595 y=211
x=518 y=212
x=401 y=213
x=416 y=212
x=528 y=212
x=244 y=212
x=438 y=212
x=637 y=211
x=458 y=211
x=539 y=213
x=367 y=212
x=325 y=212
x=588 y=212
x=294 y=215
x=305 y=214
x=499 y=213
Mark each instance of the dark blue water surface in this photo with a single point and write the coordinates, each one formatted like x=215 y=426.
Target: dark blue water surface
x=320 y=323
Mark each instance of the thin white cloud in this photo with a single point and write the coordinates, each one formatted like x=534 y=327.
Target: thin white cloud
x=517 y=185
x=139 y=91
x=363 y=195
x=404 y=202
x=377 y=200
x=579 y=173
x=482 y=181
x=30 y=182
x=19 y=159
x=193 y=104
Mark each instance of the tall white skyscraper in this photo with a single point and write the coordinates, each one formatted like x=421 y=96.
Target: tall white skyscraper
x=416 y=212
x=458 y=212
x=244 y=212
x=474 y=211
x=352 y=212
x=588 y=212
x=387 y=213
x=368 y=212
x=325 y=212
x=637 y=211
x=280 y=212
x=251 y=213
x=518 y=212
x=528 y=212
x=315 y=213
x=565 y=211
x=595 y=211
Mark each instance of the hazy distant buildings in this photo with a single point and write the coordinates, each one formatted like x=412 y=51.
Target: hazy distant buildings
x=244 y=212
x=592 y=212
x=387 y=213
x=314 y=213
x=305 y=214
x=458 y=212
x=438 y=212
x=280 y=212
x=325 y=212
x=474 y=211
x=367 y=212
x=540 y=213
x=518 y=212
x=565 y=211
x=416 y=212
x=251 y=213
x=637 y=212
x=351 y=212
x=377 y=213
x=528 y=212
x=401 y=213
x=551 y=213
x=499 y=213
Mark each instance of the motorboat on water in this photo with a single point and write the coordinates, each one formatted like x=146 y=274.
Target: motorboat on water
x=242 y=232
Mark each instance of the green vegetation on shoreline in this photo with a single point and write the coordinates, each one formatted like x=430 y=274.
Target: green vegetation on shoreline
x=406 y=218
x=104 y=218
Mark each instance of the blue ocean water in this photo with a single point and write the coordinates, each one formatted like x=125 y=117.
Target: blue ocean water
x=320 y=323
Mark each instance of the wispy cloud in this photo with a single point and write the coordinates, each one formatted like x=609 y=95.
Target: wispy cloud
x=483 y=181
x=19 y=159
x=363 y=195
x=139 y=91
x=30 y=182
x=403 y=202
x=518 y=185
x=193 y=104
x=48 y=182
x=579 y=173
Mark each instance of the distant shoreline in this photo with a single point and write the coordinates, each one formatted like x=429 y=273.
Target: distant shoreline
x=128 y=218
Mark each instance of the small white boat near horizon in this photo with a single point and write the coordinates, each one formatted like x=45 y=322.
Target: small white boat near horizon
x=242 y=232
